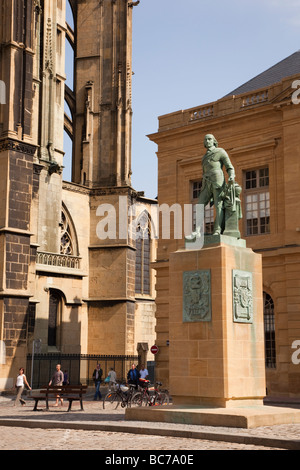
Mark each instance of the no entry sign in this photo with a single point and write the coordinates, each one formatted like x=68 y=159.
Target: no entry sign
x=154 y=349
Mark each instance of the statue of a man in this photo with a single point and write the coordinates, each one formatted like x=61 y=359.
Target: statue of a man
x=214 y=184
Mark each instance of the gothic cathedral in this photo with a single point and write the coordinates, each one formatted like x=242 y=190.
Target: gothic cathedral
x=74 y=275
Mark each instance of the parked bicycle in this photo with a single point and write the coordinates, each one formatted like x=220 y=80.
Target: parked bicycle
x=122 y=395
x=150 y=396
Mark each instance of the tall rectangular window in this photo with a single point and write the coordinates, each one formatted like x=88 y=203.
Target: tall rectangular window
x=143 y=248
x=54 y=320
x=58 y=91
x=257 y=201
x=59 y=39
x=269 y=327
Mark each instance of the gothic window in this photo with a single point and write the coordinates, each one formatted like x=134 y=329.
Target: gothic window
x=269 y=327
x=208 y=210
x=70 y=44
x=142 y=268
x=70 y=14
x=54 y=318
x=68 y=244
x=69 y=88
x=31 y=318
x=257 y=201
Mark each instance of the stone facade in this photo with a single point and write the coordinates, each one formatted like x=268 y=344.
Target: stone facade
x=259 y=129
x=61 y=282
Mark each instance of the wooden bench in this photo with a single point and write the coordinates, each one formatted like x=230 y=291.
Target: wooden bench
x=66 y=392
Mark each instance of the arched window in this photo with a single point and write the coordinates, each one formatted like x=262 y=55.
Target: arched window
x=142 y=264
x=70 y=13
x=68 y=241
x=269 y=327
x=55 y=306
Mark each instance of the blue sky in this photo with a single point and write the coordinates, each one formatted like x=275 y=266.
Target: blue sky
x=191 y=52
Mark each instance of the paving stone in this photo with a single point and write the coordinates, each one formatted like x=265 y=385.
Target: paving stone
x=96 y=429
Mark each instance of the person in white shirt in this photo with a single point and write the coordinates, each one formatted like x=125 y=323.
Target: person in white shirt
x=20 y=384
x=112 y=379
x=144 y=372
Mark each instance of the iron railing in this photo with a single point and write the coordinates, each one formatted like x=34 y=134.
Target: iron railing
x=79 y=367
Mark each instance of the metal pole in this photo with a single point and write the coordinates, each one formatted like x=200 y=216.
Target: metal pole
x=32 y=357
x=36 y=345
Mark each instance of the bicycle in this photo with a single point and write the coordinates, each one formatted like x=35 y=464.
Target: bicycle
x=122 y=395
x=144 y=397
x=162 y=396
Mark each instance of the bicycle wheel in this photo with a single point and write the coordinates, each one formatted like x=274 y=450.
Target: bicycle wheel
x=162 y=398
x=139 y=399
x=111 y=401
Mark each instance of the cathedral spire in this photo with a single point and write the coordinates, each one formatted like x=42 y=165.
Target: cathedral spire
x=104 y=58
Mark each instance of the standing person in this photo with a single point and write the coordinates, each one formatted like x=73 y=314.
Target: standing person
x=97 y=376
x=66 y=378
x=112 y=378
x=57 y=381
x=144 y=372
x=20 y=384
x=133 y=375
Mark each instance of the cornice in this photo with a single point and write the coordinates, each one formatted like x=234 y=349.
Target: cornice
x=111 y=190
x=271 y=143
x=109 y=299
x=75 y=188
x=15 y=293
x=17 y=146
x=16 y=231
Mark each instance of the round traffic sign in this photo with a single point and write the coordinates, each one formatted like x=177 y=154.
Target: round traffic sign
x=154 y=349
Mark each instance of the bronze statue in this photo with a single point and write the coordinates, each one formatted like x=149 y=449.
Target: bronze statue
x=213 y=184
x=224 y=196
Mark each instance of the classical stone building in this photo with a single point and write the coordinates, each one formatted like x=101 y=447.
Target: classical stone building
x=259 y=126
x=73 y=272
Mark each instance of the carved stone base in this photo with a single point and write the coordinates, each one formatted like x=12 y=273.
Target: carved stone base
x=216 y=333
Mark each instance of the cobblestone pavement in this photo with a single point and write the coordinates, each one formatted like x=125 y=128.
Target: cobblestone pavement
x=40 y=436
x=70 y=439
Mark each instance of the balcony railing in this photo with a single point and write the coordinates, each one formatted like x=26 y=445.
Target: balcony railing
x=202 y=113
x=58 y=260
x=255 y=98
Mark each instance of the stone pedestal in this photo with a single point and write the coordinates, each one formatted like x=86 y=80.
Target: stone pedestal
x=216 y=333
